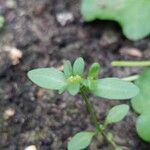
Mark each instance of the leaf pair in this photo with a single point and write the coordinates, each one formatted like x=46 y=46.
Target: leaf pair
x=72 y=80
x=77 y=69
x=83 y=139
x=53 y=79
x=74 y=75
x=141 y=104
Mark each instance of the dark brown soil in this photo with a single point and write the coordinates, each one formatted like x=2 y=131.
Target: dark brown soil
x=44 y=118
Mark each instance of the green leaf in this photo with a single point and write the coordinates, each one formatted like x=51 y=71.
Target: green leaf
x=132 y=15
x=94 y=71
x=90 y=83
x=73 y=88
x=62 y=90
x=78 y=66
x=113 y=88
x=143 y=127
x=68 y=71
x=80 y=141
x=141 y=102
x=117 y=113
x=48 y=78
x=2 y=21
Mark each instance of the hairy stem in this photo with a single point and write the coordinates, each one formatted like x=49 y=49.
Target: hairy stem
x=98 y=126
x=130 y=63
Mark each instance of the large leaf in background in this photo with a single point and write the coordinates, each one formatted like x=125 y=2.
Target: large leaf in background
x=80 y=141
x=141 y=102
x=117 y=113
x=132 y=15
x=113 y=88
x=143 y=127
x=48 y=78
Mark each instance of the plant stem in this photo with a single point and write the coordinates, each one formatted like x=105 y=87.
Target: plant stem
x=92 y=113
x=130 y=63
x=113 y=144
x=131 y=78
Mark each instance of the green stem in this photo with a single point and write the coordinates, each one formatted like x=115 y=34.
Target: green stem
x=111 y=141
x=131 y=78
x=130 y=63
x=92 y=113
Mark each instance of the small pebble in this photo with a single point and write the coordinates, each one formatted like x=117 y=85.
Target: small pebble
x=130 y=51
x=8 y=113
x=64 y=17
x=11 y=4
x=14 y=54
x=40 y=93
x=31 y=147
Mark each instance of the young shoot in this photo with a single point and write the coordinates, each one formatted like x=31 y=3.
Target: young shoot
x=73 y=80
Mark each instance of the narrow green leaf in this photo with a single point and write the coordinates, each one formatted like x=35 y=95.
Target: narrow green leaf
x=78 y=66
x=141 y=102
x=94 y=71
x=117 y=113
x=113 y=88
x=143 y=127
x=68 y=71
x=80 y=141
x=73 y=88
x=48 y=78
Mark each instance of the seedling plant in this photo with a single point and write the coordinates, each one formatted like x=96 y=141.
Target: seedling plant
x=73 y=80
x=141 y=102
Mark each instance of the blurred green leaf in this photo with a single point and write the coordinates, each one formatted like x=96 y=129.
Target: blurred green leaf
x=68 y=71
x=80 y=141
x=113 y=88
x=2 y=21
x=117 y=113
x=73 y=88
x=143 y=127
x=141 y=102
x=48 y=78
x=132 y=15
x=91 y=84
x=78 y=66
x=94 y=71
